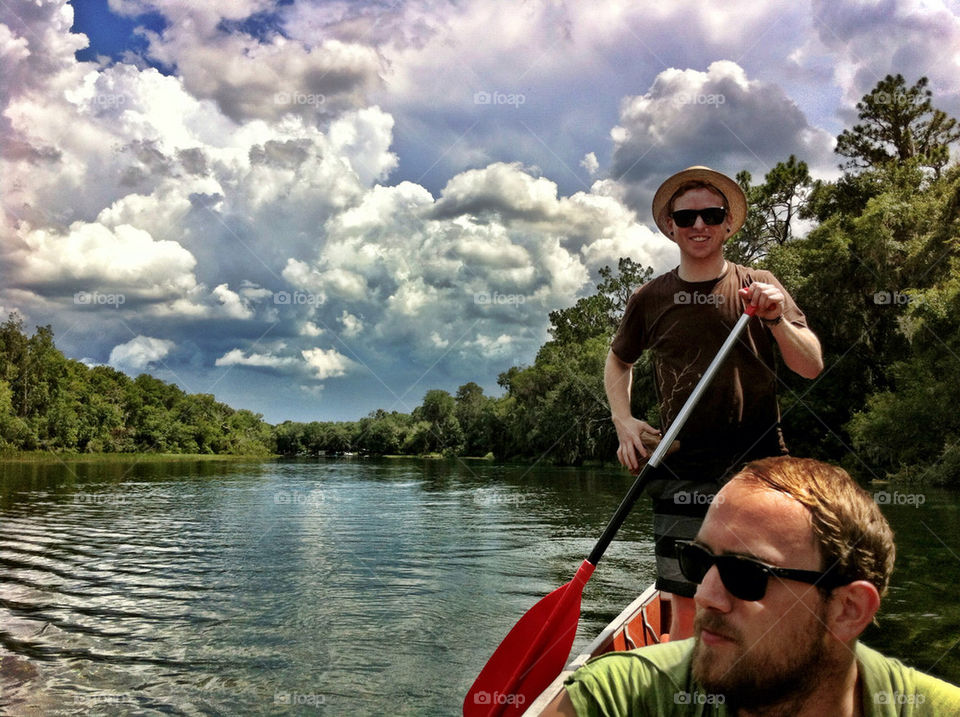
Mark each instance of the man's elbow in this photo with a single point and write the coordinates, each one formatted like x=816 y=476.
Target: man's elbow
x=810 y=369
x=809 y=359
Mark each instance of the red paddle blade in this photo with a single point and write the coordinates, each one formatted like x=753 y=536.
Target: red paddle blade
x=531 y=655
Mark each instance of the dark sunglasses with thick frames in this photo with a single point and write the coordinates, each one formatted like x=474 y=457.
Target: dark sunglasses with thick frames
x=744 y=578
x=688 y=217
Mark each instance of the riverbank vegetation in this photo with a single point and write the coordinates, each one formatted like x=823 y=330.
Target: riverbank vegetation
x=51 y=403
x=877 y=272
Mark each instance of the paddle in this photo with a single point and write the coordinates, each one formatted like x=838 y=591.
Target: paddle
x=534 y=652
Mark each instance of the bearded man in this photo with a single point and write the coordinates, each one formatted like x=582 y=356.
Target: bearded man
x=790 y=565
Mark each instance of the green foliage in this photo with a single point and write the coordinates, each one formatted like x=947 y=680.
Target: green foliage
x=868 y=280
x=418 y=441
x=49 y=402
x=773 y=208
x=898 y=124
x=11 y=427
x=443 y=433
x=476 y=416
x=848 y=196
x=599 y=314
x=912 y=429
x=557 y=408
x=381 y=433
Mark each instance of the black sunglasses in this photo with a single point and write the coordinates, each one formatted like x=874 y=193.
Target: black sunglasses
x=688 y=217
x=744 y=578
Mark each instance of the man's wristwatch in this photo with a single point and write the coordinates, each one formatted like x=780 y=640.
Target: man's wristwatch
x=773 y=322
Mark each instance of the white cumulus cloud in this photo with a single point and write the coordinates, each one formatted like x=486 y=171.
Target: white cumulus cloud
x=719 y=117
x=94 y=256
x=326 y=363
x=140 y=353
x=236 y=357
x=233 y=305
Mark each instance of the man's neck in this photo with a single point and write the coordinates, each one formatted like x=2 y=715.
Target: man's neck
x=701 y=270
x=841 y=695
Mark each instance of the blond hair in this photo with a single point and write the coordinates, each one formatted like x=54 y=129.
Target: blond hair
x=854 y=537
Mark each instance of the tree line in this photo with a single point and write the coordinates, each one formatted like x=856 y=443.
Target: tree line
x=49 y=402
x=877 y=274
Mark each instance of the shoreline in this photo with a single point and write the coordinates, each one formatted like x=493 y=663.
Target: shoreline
x=52 y=457
x=42 y=457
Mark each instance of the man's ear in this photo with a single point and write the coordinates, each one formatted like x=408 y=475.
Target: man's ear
x=851 y=608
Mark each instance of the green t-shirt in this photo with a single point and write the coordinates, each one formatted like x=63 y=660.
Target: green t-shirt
x=657 y=681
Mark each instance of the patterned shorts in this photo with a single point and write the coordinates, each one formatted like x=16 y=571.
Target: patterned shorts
x=679 y=507
x=678 y=518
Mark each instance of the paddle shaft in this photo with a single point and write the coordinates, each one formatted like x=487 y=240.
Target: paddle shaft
x=644 y=476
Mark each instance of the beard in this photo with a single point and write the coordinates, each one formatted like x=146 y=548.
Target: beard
x=784 y=670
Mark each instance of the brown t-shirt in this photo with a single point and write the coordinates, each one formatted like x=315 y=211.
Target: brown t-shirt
x=684 y=324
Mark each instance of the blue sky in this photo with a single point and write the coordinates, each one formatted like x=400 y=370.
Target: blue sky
x=316 y=209
x=109 y=34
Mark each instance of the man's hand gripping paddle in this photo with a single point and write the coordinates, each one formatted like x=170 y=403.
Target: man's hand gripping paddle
x=534 y=652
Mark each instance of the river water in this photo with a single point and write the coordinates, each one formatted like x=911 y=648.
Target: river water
x=341 y=587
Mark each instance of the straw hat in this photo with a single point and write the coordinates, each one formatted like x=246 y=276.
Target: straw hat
x=736 y=201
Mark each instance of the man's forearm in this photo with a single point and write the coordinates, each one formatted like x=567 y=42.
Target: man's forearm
x=617 y=380
x=799 y=346
x=800 y=349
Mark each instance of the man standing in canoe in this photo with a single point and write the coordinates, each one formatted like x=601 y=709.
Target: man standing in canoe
x=683 y=316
